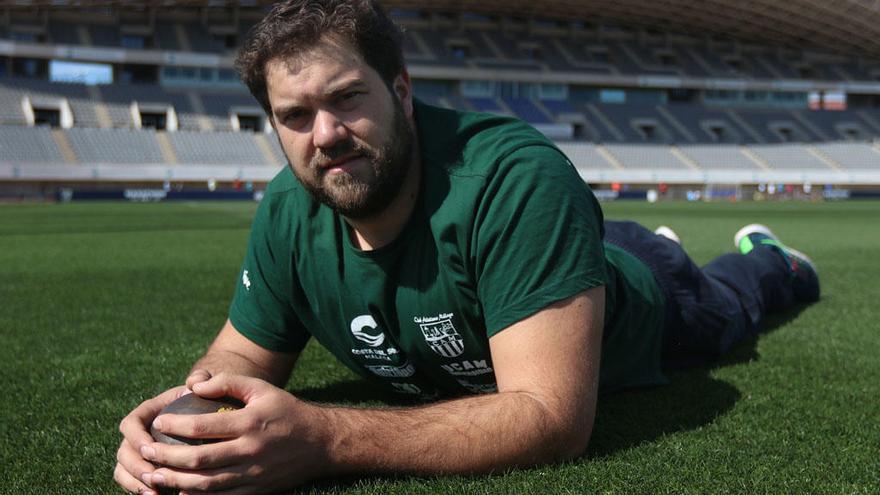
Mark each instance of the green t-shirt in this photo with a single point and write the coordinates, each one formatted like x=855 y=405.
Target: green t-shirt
x=504 y=226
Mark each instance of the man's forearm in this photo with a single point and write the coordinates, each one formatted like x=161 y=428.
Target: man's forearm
x=467 y=436
x=234 y=354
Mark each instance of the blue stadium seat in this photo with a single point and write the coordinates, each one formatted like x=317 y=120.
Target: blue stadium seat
x=526 y=109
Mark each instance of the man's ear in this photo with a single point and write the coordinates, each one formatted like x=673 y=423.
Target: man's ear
x=402 y=88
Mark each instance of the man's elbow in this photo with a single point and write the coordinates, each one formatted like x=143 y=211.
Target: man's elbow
x=572 y=439
x=567 y=430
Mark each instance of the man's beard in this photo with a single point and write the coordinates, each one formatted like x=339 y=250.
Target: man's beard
x=357 y=197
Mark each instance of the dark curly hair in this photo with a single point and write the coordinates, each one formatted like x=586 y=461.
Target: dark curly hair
x=294 y=26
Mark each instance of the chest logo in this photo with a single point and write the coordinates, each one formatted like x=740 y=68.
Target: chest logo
x=364 y=329
x=440 y=335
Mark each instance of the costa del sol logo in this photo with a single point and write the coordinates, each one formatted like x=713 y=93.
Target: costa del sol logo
x=364 y=328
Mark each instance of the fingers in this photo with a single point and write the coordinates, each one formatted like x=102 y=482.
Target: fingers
x=225 y=385
x=210 y=426
x=188 y=481
x=197 y=376
x=198 y=457
x=241 y=490
x=130 y=470
x=128 y=483
x=134 y=427
x=131 y=466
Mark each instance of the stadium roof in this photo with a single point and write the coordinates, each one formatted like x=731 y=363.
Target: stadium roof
x=851 y=26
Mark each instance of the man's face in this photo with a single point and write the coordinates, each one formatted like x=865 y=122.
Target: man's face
x=346 y=134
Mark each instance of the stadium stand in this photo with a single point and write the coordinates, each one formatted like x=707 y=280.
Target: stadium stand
x=588 y=156
x=723 y=157
x=219 y=107
x=28 y=145
x=10 y=105
x=646 y=156
x=64 y=33
x=222 y=148
x=526 y=109
x=104 y=35
x=617 y=98
x=707 y=125
x=789 y=156
x=111 y=146
x=851 y=156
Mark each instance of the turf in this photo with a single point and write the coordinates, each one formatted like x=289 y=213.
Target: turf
x=104 y=305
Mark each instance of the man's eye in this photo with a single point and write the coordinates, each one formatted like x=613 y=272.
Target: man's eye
x=294 y=116
x=349 y=96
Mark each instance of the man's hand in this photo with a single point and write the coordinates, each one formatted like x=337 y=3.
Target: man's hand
x=131 y=467
x=275 y=442
x=130 y=464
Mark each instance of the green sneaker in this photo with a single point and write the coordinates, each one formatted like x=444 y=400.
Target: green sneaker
x=805 y=280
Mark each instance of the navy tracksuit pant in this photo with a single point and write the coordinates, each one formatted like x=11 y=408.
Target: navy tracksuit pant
x=708 y=309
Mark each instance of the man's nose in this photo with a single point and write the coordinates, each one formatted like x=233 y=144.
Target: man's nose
x=328 y=130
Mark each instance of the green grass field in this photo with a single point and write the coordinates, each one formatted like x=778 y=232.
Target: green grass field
x=104 y=305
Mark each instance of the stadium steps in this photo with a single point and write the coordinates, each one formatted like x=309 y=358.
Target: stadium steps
x=695 y=55
x=852 y=156
x=745 y=126
x=576 y=63
x=493 y=47
x=751 y=155
x=64 y=146
x=85 y=38
x=824 y=158
x=543 y=109
x=504 y=106
x=763 y=62
x=166 y=148
x=101 y=113
x=676 y=152
x=195 y=101
x=798 y=116
x=609 y=157
x=182 y=38
x=869 y=119
x=648 y=65
x=569 y=59
x=676 y=124
x=424 y=48
x=841 y=73
x=595 y=112
x=265 y=148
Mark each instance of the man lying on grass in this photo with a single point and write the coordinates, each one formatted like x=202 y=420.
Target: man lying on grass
x=456 y=257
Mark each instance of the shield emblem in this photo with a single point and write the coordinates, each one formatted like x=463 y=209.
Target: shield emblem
x=443 y=338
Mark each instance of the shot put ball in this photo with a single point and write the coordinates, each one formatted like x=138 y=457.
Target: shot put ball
x=193 y=404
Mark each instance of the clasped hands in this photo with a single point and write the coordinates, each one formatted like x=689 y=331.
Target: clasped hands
x=274 y=443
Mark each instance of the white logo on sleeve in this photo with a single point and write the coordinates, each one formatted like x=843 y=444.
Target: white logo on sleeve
x=359 y=327
x=245 y=280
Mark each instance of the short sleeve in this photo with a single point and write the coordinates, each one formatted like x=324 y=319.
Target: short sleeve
x=261 y=308
x=538 y=237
